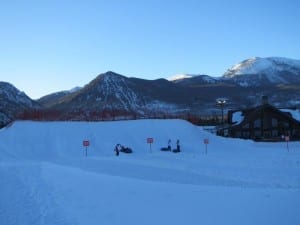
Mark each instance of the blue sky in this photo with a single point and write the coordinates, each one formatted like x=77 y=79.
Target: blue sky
x=48 y=46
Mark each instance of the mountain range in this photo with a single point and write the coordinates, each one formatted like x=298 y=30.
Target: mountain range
x=112 y=94
x=13 y=102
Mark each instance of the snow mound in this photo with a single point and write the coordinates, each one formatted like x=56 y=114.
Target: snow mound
x=36 y=140
x=47 y=179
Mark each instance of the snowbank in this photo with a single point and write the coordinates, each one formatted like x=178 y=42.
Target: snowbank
x=46 y=178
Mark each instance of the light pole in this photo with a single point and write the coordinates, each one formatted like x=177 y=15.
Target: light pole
x=220 y=102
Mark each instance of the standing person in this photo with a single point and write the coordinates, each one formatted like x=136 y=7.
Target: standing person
x=117 y=150
x=169 y=144
x=178 y=145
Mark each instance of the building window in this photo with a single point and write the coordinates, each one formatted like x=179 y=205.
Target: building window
x=274 y=122
x=257 y=123
x=286 y=124
x=246 y=126
x=275 y=133
x=257 y=133
x=267 y=134
x=246 y=134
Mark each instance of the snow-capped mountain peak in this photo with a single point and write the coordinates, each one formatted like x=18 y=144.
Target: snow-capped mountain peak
x=180 y=76
x=257 y=65
x=271 y=69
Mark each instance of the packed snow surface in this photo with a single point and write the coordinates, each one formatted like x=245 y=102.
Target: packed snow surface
x=47 y=179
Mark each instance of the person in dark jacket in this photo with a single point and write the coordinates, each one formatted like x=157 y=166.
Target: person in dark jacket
x=169 y=145
x=117 y=149
x=178 y=146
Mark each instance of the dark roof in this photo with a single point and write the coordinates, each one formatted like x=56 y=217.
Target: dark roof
x=251 y=113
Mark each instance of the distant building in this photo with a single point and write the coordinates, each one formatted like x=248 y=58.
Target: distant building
x=264 y=122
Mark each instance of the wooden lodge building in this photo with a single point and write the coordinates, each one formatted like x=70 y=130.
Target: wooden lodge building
x=264 y=123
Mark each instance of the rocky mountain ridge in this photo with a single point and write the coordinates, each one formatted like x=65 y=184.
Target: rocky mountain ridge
x=13 y=102
x=112 y=93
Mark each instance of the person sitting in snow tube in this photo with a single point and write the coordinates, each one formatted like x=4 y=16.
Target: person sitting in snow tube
x=168 y=148
x=125 y=149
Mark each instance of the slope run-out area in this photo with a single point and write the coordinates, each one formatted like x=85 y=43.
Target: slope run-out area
x=47 y=179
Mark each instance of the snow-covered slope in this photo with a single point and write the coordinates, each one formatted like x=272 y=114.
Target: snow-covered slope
x=113 y=87
x=46 y=178
x=271 y=69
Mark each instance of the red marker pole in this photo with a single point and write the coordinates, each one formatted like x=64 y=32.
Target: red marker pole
x=206 y=142
x=150 y=141
x=86 y=143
